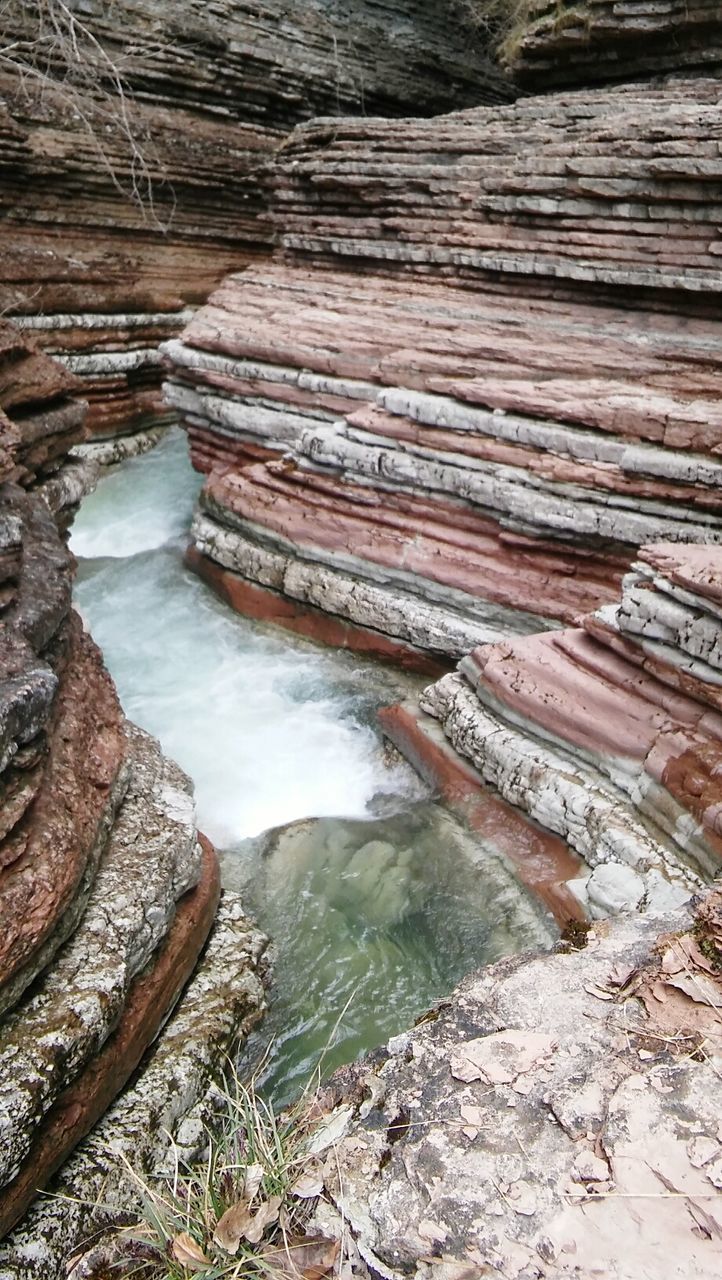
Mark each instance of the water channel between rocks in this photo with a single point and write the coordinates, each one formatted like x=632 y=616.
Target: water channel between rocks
x=385 y=901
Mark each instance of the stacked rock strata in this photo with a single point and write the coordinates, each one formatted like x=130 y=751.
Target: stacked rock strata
x=41 y=419
x=488 y=354
x=609 y=734
x=107 y=894
x=567 y=42
x=121 y=211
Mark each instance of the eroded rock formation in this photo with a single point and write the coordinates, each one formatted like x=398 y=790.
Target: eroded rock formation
x=120 y=212
x=583 y=41
x=609 y=735
x=107 y=894
x=483 y=368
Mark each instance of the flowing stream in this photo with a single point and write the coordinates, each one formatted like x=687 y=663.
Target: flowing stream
x=377 y=899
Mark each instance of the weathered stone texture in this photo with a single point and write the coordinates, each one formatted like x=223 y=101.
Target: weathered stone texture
x=171 y=1099
x=488 y=350
x=609 y=734
x=118 y=216
x=584 y=41
x=106 y=895
x=549 y=1122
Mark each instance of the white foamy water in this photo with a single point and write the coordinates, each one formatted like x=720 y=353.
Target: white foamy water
x=269 y=728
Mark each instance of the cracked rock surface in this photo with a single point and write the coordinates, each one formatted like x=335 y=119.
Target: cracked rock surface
x=171 y=1098
x=610 y=734
x=557 y=1117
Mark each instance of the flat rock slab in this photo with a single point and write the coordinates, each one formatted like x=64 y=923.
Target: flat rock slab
x=549 y=1122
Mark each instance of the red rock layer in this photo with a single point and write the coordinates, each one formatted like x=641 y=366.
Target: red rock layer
x=619 y=754
x=489 y=349
x=152 y=997
x=88 y=806
x=120 y=212
x=542 y=861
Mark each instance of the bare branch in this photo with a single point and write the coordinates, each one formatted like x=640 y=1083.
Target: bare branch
x=58 y=61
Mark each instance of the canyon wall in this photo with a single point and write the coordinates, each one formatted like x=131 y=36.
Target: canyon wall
x=481 y=370
x=130 y=173
x=107 y=892
x=550 y=44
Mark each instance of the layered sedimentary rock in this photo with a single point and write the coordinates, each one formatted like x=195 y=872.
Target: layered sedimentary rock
x=483 y=368
x=583 y=41
x=131 y=169
x=107 y=893
x=222 y=1003
x=610 y=734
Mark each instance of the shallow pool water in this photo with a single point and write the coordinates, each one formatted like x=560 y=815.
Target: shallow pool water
x=377 y=908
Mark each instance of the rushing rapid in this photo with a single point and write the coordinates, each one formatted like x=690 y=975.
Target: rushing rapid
x=271 y=729
x=378 y=900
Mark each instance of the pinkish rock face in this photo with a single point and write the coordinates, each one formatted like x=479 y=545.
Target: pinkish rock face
x=608 y=735
x=488 y=351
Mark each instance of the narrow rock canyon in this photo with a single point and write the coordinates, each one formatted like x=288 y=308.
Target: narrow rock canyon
x=433 y=291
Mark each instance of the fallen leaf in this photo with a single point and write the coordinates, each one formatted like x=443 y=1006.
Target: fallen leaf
x=310 y=1257
x=265 y=1216
x=307 y=1187
x=232 y=1226
x=699 y=987
x=673 y=960
x=188 y=1253
x=332 y=1131
x=621 y=974
x=252 y=1180
x=601 y=994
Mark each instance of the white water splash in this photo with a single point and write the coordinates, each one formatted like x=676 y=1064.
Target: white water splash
x=269 y=728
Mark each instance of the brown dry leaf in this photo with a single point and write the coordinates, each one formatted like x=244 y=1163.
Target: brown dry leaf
x=265 y=1216
x=600 y=992
x=308 y=1186
x=673 y=959
x=252 y=1180
x=232 y=1226
x=188 y=1253
x=699 y=987
x=697 y=958
x=309 y=1257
